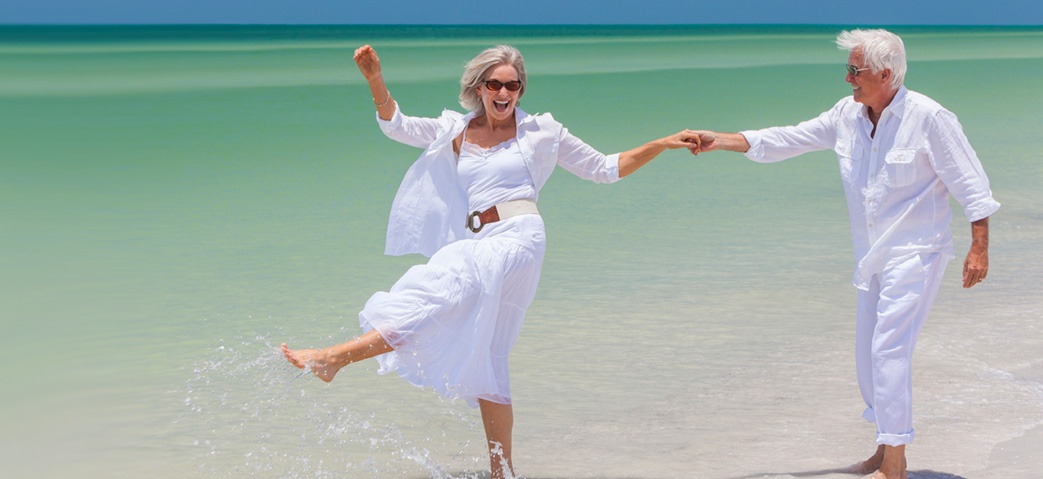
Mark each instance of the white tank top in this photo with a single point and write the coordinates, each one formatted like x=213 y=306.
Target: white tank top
x=493 y=175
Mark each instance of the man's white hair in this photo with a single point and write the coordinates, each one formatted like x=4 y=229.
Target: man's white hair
x=880 y=49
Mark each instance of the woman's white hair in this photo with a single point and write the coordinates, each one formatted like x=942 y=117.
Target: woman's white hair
x=474 y=74
x=880 y=49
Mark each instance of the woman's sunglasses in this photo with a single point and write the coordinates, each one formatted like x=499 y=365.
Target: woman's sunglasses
x=496 y=85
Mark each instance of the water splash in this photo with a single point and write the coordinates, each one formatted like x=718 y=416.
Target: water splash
x=248 y=412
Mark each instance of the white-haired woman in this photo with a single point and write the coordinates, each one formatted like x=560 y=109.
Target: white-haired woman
x=469 y=203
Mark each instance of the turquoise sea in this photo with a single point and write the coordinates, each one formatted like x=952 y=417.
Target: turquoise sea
x=175 y=202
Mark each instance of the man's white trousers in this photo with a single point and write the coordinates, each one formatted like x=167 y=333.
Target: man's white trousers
x=890 y=315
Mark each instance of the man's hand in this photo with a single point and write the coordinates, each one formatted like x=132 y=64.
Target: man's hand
x=976 y=266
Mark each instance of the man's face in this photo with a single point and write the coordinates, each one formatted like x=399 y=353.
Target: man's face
x=869 y=88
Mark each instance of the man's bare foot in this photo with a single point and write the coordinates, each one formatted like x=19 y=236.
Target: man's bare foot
x=315 y=360
x=869 y=465
x=891 y=466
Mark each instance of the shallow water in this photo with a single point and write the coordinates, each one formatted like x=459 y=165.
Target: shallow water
x=177 y=202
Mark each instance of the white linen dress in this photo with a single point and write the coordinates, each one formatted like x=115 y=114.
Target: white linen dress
x=454 y=320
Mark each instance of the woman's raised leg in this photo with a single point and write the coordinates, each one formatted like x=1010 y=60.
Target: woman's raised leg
x=325 y=362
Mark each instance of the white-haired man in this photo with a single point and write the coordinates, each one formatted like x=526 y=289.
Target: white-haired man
x=901 y=155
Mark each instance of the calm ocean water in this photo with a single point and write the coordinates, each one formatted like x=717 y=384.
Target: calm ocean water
x=177 y=201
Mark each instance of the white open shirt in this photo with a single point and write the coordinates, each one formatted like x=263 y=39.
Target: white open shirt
x=898 y=181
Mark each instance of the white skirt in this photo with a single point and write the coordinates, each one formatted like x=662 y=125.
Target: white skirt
x=453 y=321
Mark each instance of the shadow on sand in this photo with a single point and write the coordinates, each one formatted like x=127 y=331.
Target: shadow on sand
x=485 y=475
x=924 y=474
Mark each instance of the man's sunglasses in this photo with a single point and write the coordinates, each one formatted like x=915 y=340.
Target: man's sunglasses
x=496 y=85
x=853 y=70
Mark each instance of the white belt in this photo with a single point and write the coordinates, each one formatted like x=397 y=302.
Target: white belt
x=502 y=211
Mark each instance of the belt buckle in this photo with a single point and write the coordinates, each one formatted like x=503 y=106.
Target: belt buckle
x=477 y=215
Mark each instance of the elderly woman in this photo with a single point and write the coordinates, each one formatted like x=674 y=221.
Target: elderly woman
x=469 y=203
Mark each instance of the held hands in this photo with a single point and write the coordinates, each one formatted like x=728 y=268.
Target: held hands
x=631 y=160
x=368 y=62
x=683 y=139
x=713 y=141
x=708 y=141
x=698 y=141
x=694 y=141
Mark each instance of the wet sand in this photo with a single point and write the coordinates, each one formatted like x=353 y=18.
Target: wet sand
x=1021 y=457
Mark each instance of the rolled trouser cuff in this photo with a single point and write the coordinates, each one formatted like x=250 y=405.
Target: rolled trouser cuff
x=894 y=439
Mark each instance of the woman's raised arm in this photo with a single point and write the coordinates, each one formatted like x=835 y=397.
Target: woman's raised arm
x=369 y=64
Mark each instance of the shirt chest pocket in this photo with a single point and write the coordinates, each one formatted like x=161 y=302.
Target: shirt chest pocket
x=849 y=154
x=900 y=166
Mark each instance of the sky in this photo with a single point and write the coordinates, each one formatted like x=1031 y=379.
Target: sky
x=830 y=12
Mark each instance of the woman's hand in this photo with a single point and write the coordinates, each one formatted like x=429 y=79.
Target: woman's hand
x=368 y=61
x=369 y=64
x=631 y=160
x=689 y=139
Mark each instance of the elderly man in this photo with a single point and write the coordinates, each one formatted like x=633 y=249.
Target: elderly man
x=901 y=155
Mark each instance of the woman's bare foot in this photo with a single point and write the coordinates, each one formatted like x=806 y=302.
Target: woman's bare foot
x=315 y=360
x=325 y=362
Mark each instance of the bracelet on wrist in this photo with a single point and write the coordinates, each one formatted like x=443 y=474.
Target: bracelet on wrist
x=385 y=102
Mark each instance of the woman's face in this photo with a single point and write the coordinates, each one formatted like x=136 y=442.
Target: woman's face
x=499 y=104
